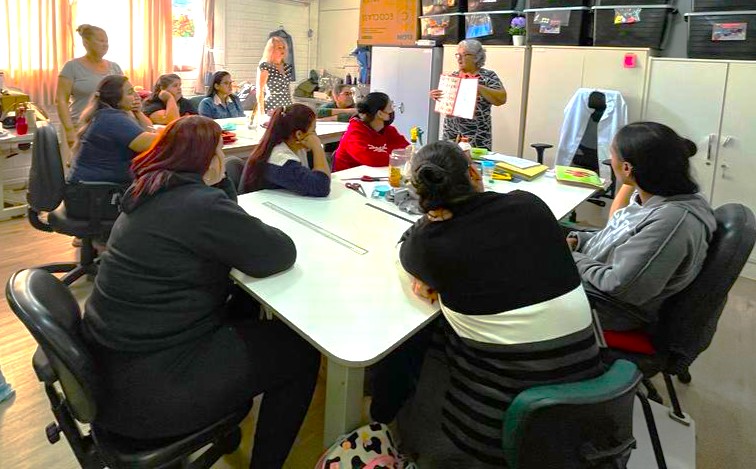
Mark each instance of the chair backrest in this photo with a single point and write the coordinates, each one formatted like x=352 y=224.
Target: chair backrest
x=46 y=177
x=574 y=425
x=51 y=314
x=234 y=170
x=195 y=101
x=688 y=319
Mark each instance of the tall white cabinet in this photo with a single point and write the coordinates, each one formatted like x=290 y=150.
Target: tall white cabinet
x=511 y=64
x=556 y=72
x=713 y=103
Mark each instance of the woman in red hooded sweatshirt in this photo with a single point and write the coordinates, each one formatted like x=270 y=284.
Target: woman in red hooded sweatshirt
x=370 y=137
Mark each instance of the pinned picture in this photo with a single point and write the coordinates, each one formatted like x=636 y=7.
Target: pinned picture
x=627 y=15
x=729 y=32
x=553 y=27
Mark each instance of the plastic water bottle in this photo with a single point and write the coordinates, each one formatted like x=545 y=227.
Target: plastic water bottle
x=21 y=125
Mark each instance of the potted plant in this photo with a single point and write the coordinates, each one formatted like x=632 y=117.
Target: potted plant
x=517 y=30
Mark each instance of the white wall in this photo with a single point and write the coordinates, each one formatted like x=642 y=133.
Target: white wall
x=339 y=25
x=246 y=25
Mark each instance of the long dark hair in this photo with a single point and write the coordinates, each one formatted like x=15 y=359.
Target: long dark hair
x=109 y=94
x=440 y=175
x=282 y=125
x=659 y=156
x=368 y=107
x=162 y=83
x=217 y=78
x=186 y=145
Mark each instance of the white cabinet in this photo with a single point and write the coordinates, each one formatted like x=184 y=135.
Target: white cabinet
x=407 y=74
x=712 y=103
x=511 y=64
x=556 y=72
x=691 y=106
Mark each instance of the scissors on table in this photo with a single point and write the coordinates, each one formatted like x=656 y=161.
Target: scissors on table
x=355 y=186
x=367 y=178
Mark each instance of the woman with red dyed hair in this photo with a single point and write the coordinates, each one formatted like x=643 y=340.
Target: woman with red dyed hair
x=178 y=349
x=280 y=159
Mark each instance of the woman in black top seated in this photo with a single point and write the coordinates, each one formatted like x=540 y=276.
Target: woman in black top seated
x=514 y=313
x=175 y=355
x=166 y=103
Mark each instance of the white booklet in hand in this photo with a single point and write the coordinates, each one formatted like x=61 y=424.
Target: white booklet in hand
x=459 y=96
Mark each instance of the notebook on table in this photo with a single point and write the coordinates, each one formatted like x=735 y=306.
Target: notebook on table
x=578 y=177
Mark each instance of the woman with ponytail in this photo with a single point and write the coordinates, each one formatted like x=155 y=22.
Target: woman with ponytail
x=655 y=246
x=110 y=134
x=514 y=313
x=280 y=159
x=178 y=347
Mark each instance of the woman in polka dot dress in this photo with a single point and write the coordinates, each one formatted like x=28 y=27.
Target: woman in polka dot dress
x=273 y=77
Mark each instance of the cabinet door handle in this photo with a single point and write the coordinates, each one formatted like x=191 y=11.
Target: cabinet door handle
x=709 y=144
x=400 y=106
x=727 y=140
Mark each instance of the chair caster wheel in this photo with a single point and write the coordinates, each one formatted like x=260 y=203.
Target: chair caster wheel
x=53 y=433
x=684 y=377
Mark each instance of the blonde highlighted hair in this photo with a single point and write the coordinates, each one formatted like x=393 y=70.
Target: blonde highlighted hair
x=269 y=46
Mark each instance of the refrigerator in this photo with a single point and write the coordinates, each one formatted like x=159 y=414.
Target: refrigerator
x=407 y=74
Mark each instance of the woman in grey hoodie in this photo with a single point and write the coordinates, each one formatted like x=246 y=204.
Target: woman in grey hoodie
x=654 y=247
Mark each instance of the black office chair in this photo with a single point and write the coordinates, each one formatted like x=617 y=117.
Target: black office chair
x=52 y=316
x=234 y=170
x=95 y=202
x=586 y=155
x=195 y=101
x=585 y=424
x=688 y=319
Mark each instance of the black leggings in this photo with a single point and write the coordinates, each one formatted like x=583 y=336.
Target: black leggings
x=170 y=393
x=286 y=375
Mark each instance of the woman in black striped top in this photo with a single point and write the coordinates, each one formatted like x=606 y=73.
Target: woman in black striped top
x=514 y=311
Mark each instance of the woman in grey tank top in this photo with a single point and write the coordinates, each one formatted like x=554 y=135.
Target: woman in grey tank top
x=79 y=78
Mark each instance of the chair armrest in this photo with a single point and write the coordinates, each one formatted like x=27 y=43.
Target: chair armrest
x=604 y=302
x=42 y=368
x=37 y=222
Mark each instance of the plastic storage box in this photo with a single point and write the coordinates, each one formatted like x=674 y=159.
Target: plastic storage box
x=533 y=4
x=722 y=35
x=491 y=5
x=489 y=27
x=724 y=5
x=444 y=29
x=442 y=7
x=559 y=26
x=631 y=26
x=604 y=3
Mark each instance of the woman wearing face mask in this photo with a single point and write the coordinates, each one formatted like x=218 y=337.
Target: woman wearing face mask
x=370 y=137
x=280 y=159
x=159 y=319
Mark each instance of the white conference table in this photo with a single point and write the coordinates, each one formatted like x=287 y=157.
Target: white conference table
x=247 y=139
x=561 y=198
x=347 y=293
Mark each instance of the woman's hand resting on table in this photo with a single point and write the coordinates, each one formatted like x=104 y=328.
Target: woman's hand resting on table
x=424 y=291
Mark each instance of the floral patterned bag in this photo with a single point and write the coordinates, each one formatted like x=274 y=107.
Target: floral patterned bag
x=368 y=447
